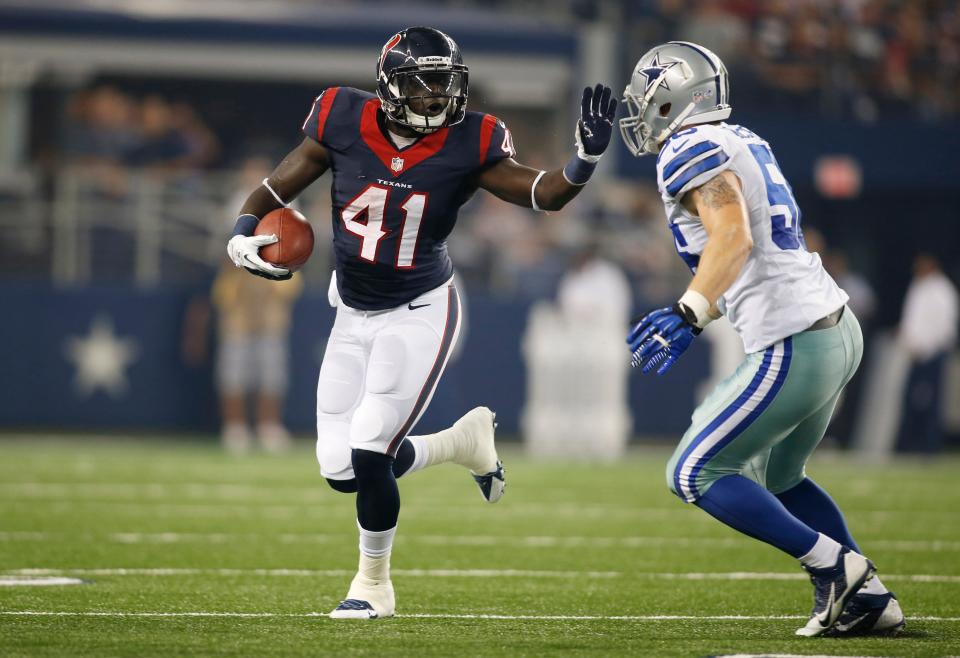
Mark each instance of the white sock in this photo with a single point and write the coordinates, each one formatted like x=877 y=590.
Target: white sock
x=438 y=448
x=823 y=555
x=421 y=453
x=372 y=570
x=376 y=543
x=874 y=586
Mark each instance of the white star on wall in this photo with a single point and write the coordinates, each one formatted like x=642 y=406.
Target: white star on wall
x=101 y=359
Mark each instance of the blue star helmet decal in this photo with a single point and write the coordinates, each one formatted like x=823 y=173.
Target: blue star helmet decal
x=654 y=70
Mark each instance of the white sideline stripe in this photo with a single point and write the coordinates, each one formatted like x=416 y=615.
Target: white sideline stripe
x=788 y=655
x=465 y=573
x=301 y=509
x=38 y=581
x=337 y=573
x=112 y=613
x=534 y=541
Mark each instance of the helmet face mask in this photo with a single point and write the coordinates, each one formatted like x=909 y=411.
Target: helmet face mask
x=422 y=81
x=673 y=85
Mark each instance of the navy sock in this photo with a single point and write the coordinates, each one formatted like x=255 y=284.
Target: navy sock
x=378 y=498
x=814 y=506
x=747 y=507
x=401 y=464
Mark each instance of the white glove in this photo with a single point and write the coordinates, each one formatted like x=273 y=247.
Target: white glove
x=244 y=252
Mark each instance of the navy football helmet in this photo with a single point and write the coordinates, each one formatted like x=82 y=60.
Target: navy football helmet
x=421 y=80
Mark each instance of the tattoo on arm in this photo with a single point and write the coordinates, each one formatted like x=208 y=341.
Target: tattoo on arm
x=717 y=193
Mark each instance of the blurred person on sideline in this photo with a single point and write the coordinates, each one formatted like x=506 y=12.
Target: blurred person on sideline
x=863 y=302
x=595 y=289
x=928 y=332
x=253 y=327
x=253 y=323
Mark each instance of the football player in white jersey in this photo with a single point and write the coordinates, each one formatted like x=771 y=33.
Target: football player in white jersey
x=736 y=224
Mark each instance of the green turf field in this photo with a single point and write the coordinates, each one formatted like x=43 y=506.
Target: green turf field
x=184 y=551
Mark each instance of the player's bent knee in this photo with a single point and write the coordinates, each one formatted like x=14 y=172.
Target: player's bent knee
x=339 y=386
x=343 y=486
x=373 y=425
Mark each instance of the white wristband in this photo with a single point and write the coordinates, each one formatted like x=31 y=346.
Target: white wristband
x=276 y=196
x=533 y=192
x=699 y=305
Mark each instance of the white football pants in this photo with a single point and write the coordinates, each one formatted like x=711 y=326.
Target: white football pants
x=379 y=372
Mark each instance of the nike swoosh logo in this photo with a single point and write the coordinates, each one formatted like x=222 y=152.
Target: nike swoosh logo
x=413 y=307
x=851 y=625
x=676 y=149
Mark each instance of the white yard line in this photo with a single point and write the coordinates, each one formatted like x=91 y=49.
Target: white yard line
x=532 y=541
x=37 y=581
x=336 y=573
x=462 y=573
x=113 y=613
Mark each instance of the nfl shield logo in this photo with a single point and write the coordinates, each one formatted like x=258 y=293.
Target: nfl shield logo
x=396 y=164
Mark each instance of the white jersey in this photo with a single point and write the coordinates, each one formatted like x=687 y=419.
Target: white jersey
x=783 y=288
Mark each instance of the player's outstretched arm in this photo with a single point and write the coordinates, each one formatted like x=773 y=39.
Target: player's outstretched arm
x=551 y=190
x=663 y=335
x=303 y=165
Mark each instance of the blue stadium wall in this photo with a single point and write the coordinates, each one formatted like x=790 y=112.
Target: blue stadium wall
x=163 y=393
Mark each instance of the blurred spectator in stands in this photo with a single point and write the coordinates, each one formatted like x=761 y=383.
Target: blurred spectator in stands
x=202 y=145
x=162 y=146
x=102 y=126
x=713 y=21
x=100 y=133
x=928 y=332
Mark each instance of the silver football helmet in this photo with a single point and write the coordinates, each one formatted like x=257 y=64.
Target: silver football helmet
x=673 y=85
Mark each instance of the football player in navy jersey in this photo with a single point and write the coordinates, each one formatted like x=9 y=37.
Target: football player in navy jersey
x=403 y=161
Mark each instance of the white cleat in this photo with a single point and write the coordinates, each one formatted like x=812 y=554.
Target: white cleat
x=366 y=600
x=833 y=588
x=480 y=452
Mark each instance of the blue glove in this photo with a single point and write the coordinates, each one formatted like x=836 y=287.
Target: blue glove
x=597 y=112
x=661 y=337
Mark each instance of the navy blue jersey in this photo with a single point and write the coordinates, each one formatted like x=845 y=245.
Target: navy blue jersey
x=394 y=208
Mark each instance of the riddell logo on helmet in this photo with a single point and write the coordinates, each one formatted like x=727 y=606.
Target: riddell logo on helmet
x=435 y=59
x=702 y=95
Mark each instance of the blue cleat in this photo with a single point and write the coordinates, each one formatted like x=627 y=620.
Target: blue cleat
x=354 y=609
x=833 y=588
x=366 y=599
